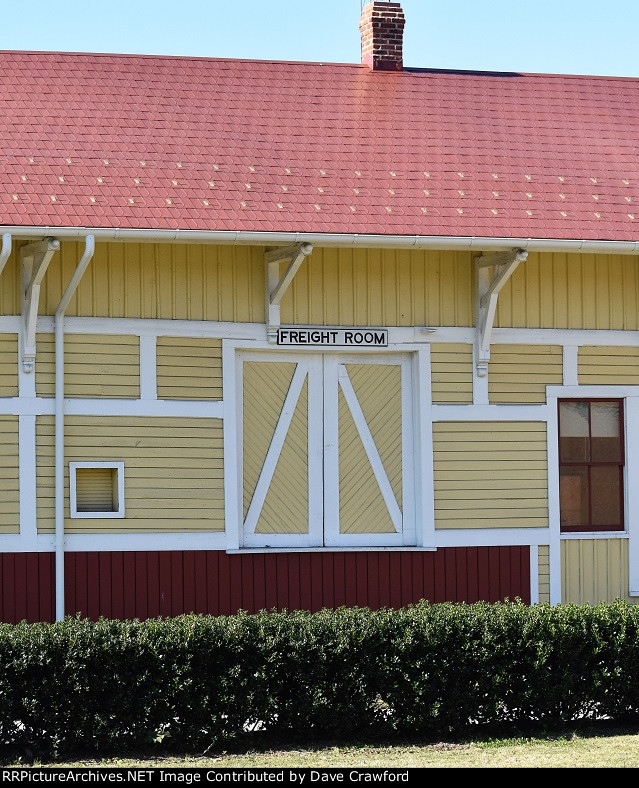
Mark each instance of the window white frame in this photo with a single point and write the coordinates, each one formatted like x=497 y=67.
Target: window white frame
x=73 y=505
x=630 y=396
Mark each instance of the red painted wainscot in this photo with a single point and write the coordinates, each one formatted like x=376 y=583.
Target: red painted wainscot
x=147 y=584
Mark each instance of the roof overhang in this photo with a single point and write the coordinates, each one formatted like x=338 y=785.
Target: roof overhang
x=371 y=241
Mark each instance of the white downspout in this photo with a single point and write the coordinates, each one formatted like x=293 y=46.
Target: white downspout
x=89 y=248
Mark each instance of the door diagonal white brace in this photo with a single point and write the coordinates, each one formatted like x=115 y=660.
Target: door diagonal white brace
x=275 y=449
x=276 y=286
x=492 y=271
x=34 y=261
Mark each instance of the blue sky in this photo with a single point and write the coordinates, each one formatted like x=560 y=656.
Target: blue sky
x=552 y=36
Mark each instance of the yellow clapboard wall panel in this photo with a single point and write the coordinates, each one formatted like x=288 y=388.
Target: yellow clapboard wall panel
x=543 y=564
x=558 y=290
x=594 y=570
x=451 y=373
x=9 y=476
x=490 y=474
x=10 y=295
x=173 y=471
x=226 y=283
x=8 y=365
x=334 y=286
x=520 y=373
x=608 y=366
x=172 y=281
x=95 y=365
x=381 y=287
x=362 y=509
x=189 y=368
x=285 y=509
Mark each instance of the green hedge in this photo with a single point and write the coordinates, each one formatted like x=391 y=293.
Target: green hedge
x=430 y=670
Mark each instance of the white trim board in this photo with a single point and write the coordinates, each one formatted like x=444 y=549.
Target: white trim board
x=420 y=335
x=44 y=406
x=198 y=540
x=490 y=537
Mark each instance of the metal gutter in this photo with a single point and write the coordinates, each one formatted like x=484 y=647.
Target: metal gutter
x=445 y=242
x=89 y=248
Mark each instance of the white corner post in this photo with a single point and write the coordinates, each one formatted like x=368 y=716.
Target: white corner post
x=492 y=271
x=34 y=259
x=89 y=247
x=276 y=286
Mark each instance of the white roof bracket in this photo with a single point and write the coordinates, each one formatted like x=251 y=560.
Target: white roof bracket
x=34 y=261
x=492 y=271
x=277 y=285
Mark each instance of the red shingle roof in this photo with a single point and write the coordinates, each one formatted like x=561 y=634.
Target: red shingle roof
x=166 y=142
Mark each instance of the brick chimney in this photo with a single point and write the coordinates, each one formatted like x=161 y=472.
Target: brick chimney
x=382 y=28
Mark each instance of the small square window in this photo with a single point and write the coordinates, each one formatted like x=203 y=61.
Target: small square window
x=96 y=489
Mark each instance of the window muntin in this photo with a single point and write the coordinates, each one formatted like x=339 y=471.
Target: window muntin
x=591 y=464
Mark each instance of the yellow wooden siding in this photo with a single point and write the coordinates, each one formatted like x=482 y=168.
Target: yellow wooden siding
x=362 y=509
x=173 y=477
x=95 y=365
x=11 y=284
x=543 y=563
x=189 y=368
x=520 y=373
x=226 y=283
x=451 y=373
x=335 y=286
x=173 y=281
x=285 y=508
x=382 y=287
x=8 y=365
x=490 y=474
x=572 y=291
x=607 y=366
x=94 y=488
x=9 y=478
x=594 y=570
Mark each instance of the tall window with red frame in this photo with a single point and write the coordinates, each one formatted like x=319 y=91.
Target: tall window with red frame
x=591 y=462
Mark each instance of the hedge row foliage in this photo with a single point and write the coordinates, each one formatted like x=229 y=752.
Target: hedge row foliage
x=190 y=682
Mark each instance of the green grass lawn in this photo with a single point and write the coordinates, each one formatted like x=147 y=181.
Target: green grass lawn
x=600 y=748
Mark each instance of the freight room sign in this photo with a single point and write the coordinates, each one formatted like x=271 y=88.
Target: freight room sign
x=323 y=336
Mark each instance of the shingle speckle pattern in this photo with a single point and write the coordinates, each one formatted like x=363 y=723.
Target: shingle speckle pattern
x=186 y=143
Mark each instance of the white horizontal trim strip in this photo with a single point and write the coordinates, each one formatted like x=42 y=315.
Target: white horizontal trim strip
x=127 y=542
x=563 y=336
x=490 y=413
x=153 y=327
x=41 y=406
x=10 y=324
x=136 y=407
x=480 y=243
x=461 y=537
x=336 y=549
x=491 y=537
x=560 y=392
x=594 y=535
